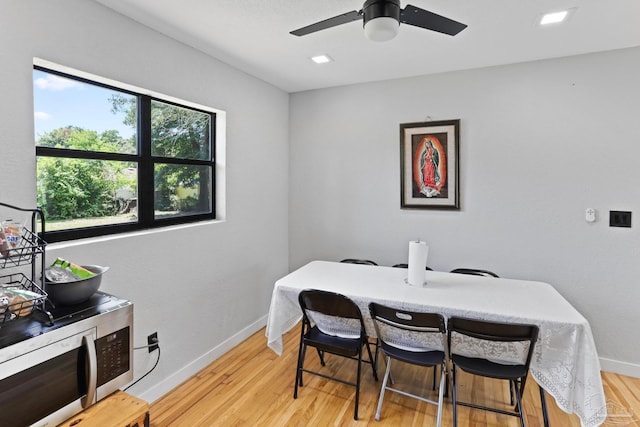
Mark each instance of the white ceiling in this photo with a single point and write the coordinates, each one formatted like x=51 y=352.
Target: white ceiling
x=253 y=35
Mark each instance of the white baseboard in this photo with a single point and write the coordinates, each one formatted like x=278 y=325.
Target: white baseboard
x=200 y=363
x=622 y=368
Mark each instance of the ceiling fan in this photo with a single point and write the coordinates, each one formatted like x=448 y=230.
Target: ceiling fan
x=382 y=18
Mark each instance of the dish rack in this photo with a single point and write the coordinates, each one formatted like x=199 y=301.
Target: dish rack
x=20 y=267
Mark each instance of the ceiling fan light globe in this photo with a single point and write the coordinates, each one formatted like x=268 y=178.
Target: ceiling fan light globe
x=381 y=29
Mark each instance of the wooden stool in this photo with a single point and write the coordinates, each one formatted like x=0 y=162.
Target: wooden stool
x=117 y=410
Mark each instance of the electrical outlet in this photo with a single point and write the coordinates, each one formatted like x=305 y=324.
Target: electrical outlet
x=620 y=219
x=152 y=342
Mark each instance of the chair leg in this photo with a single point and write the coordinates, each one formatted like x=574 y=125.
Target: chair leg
x=301 y=353
x=511 y=393
x=355 y=412
x=373 y=363
x=304 y=356
x=519 y=404
x=454 y=399
x=390 y=374
x=321 y=356
x=435 y=368
x=383 y=388
x=545 y=414
x=440 y=394
x=447 y=384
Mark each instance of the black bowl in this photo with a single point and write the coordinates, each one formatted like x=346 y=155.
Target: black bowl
x=69 y=293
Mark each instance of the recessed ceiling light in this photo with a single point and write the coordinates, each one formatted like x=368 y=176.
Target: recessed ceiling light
x=321 y=59
x=554 y=17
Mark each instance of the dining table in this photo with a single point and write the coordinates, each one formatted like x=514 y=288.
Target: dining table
x=565 y=362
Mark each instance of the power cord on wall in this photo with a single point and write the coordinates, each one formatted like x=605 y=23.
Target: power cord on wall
x=155 y=344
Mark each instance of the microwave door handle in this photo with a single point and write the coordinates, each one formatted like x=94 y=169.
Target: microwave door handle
x=92 y=361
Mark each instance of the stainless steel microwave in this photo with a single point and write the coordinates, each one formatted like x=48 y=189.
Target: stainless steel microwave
x=52 y=373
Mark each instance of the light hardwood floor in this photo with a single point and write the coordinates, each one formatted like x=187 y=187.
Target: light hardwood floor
x=252 y=386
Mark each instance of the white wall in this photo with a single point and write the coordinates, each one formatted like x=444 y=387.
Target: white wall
x=197 y=286
x=540 y=143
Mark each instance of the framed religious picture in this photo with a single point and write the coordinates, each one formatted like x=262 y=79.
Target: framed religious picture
x=429 y=165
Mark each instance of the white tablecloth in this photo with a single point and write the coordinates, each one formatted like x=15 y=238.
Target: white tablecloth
x=565 y=362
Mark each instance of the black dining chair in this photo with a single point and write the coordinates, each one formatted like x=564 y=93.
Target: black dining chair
x=407 y=266
x=474 y=272
x=358 y=261
x=493 y=336
x=483 y=273
x=487 y=273
x=404 y=336
x=319 y=310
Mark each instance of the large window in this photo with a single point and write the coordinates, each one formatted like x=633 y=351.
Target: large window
x=111 y=160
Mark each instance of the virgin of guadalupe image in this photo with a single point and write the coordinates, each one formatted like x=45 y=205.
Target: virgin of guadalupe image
x=429 y=166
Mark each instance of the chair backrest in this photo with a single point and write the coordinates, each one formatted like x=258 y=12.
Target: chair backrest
x=358 y=261
x=388 y=320
x=407 y=266
x=329 y=304
x=332 y=313
x=493 y=331
x=475 y=272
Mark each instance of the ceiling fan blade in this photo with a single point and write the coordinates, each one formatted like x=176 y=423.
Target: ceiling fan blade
x=354 y=15
x=431 y=21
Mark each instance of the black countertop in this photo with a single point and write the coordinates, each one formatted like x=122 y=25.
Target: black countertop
x=38 y=323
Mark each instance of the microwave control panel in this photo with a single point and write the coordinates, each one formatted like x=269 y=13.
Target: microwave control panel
x=112 y=351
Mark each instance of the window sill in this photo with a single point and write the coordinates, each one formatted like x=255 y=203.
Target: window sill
x=100 y=239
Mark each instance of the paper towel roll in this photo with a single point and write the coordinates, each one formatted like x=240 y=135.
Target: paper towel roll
x=418 y=252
